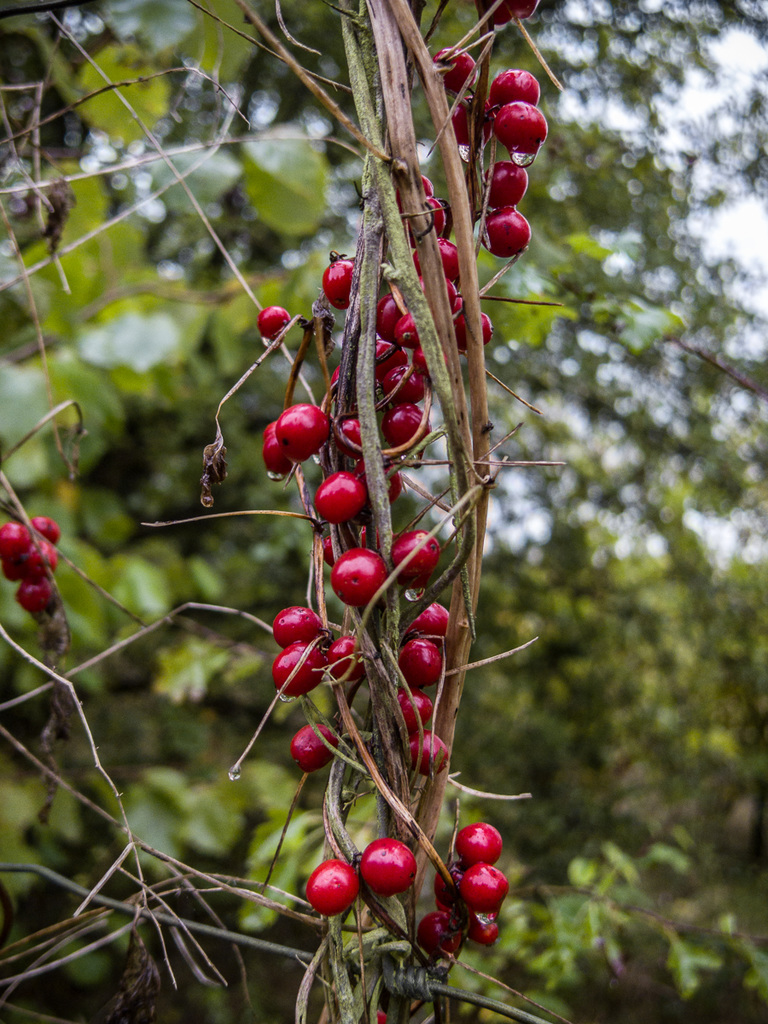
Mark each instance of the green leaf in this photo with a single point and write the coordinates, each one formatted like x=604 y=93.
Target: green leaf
x=663 y=853
x=687 y=961
x=186 y=670
x=215 y=176
x=132 y=340
x=156 y=26
x=148 y=98
x=584 y=244
x=286 y=180
x=622 y=863
x=757 y=975
x=141 y=586
x=644 y=324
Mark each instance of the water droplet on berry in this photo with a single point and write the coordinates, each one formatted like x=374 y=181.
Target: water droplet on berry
x=464 y=153
x=316 y=459
x=414 y=595
x=275 y=476
x=522 y=159
x=234 y=773
x=485 y=919
x=286 y=699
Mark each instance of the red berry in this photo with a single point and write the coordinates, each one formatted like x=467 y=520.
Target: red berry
x=305 y=678
x=388 y=867
x=437 y=934
x=387 y=315
x=431 y=750
x=483 y=888
x=438 y=213
x=344 y=660
x=400 y=424
x=508 y=232
x=520 y=127
x=332 y=887
x=478 y=843
x=302 y=430
x=37 y=560
x=296 y=623
x=419 y=360
x=308 y=750
x=15 y=568
x=406 y=333
x=460 y=327
x=349 y=430
x=381 y=1017
x=423 y=562
x=461 y=69
x=449 y=254
x=389 y=355
x=394 y=486
x=34 y=594
x=460 y=121
x=48 y=527
x=411 y=391
x=512 y=85
x=14 y=541
x=271 y=321
x=446 y=895
x=485 y=933
x=421 y=662
x=340 y=497
x=328 y=556
x=433 y=621
x=337 y=283
x=508 y=184
x=514 y=9
x=276 y=462
x=415 y=705
x=357 y=575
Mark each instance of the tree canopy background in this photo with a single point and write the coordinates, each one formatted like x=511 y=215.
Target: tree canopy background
x=161 y=171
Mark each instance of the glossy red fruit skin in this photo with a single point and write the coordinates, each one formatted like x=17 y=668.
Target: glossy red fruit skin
x=388 y=867
x=307 y=677
x=340 y=497
x=381 y=1017
x=276 y=462
x=520 y=127
x=438 y=212
x=296 y=623
x=483 y=888
x=484 y=933
x=406 y=333
x=389 y=356
x=421 y=662
x=357 y=575
x=449 y=254
x=460 y=327
x=14 y=541
x=332 y=887
x=432 y=749
x=47 y=527
x=508 y=232
x=414 y=705
x=308 y=750
x=478 y=843
x=460 y=122
x=328 y=555
x=271 y=321
x=14 y=569
x=387 y=315
x=394 y=486
x=302 y=430
x=508 y=184
x=419 y=360
x=433 y=621
x=34 y=594
x=424 y=560
x=514 y=84
x=344 y=659
x=514 y=9
x=461 y=69
x=401 y=423
x=40 y=557
x=412 y=391
x=337 y=283
x=349 y=429
x=444 y=894
x=436 y=934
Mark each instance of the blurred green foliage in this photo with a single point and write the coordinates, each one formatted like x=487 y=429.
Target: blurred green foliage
x=639 y=718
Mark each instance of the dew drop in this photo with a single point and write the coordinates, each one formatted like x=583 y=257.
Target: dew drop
x=286 y=699
x=316 y=459
x=275 y=476
x=206 y=500
x=234 y=773
x=485 y=919
x=522 y=159
x=464 y=152
x=414 y=595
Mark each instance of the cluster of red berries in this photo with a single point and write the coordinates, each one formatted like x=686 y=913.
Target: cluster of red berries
x=29 y=559
x=469 y=907
x=387 y=868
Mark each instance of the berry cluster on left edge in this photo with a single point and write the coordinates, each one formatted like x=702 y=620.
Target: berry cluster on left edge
x=30 y=558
